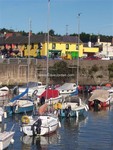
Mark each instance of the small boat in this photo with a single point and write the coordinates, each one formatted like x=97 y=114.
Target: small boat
x=50 y=96
x=68 y=89
x=44 y=124
x=72 y=106
x=19 y=104
x=6 y=138
x=33 y=87
x=4 y=91
x=100 y=98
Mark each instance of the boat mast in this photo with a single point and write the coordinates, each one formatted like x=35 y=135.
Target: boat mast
x=47 y=75
x=78 y=47
x=28 y=51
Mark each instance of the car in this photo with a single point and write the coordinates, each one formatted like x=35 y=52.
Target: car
x=92 y=58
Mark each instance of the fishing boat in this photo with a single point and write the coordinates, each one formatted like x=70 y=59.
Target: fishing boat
x=6 y=138
x=19 y=104
x=72 y=106
x=68 y=89
x=42 y=124
x=100 y=98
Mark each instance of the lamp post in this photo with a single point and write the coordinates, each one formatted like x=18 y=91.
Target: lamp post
x=78 y=46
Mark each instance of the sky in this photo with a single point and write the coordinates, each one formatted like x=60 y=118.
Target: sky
x=62 y=16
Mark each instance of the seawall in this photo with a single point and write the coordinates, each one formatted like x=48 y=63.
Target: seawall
x=15 y=71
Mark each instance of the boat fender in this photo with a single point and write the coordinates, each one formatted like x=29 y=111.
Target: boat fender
x=12 y=141
x=25 y=119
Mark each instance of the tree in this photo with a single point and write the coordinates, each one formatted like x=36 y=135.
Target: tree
x=59 y=72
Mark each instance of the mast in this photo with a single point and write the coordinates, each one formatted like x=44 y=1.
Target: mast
x=28 y=51
x=78 y=47
x=47 y=74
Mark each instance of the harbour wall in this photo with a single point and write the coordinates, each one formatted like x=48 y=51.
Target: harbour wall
x=17 y=71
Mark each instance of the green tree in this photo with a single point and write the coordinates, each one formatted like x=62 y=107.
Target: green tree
x=59 y=72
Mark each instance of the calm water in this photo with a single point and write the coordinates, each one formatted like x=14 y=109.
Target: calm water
x=92 y=132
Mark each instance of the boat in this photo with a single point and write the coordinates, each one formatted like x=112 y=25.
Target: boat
x=50 y=96
x=6 y=138
x=42 y=124
x=72 y=106
x=19 y=104
x=68 y=89
x=100 y=98
x=34 y=88
x=4 y=91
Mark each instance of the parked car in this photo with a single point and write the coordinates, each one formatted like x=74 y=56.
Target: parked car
x=92 y=58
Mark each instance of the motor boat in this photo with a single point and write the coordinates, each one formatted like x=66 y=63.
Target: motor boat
x=100 y=98
x=72 y=106
x=41 y=124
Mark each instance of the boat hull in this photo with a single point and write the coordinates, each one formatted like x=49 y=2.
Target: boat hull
x=19 y=109
x=49 y=125
x=5 y=139
x=72 y=113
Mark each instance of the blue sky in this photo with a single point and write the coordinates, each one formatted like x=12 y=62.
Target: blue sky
x=96 y=16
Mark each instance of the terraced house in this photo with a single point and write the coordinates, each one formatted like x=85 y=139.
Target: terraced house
x=65 y=47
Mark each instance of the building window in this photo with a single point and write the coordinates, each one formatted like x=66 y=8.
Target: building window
x=53 y=45
x=67 y=46
x=77 y=46
x=32 y=46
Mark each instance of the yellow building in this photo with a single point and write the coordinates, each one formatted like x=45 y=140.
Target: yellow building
x=67 y=47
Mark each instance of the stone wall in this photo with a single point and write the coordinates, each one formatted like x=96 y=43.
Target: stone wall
x=15 y=71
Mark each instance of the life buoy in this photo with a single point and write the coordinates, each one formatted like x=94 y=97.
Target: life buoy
x=35 y=92
x=25 y=119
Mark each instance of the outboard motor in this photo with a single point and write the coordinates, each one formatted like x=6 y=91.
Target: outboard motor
x=96 y=105
x=36 y=127
x=67 y=111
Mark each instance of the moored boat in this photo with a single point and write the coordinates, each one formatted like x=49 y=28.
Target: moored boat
x=72 y=106
x=100 y=98
x=6 y=138
x=19 y=104
x=42 y=124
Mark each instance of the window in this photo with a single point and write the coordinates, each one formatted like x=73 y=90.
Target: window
x=53 y=45
x=32 y=46
x=67 y=46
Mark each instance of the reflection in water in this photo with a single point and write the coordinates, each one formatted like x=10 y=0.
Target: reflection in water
x=39 y=141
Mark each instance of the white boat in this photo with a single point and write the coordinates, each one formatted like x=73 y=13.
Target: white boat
x=4 y=91
x=6 y=138
x=36 y=87
x=72 y=106
x=68 y=89
x=40 y=125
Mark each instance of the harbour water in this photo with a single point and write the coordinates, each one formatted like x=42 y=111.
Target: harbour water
x=94 y=131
